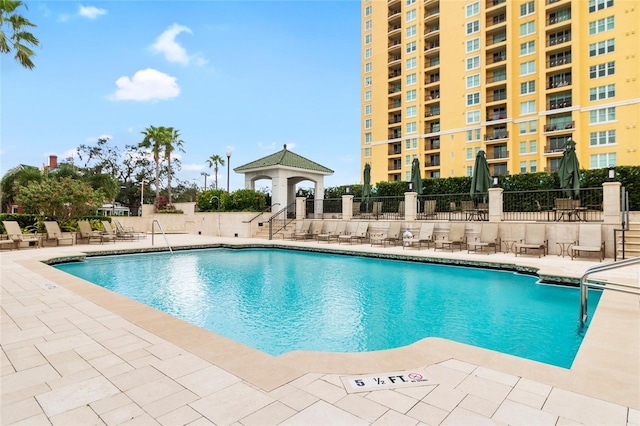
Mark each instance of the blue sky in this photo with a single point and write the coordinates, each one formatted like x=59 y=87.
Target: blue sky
x=245 y=75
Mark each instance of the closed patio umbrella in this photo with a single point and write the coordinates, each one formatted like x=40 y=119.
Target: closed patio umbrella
x=569 y=170
x=481 y=179
x=366 y=188
x=416 y=178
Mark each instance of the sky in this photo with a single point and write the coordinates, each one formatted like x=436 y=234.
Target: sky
x=249 y=76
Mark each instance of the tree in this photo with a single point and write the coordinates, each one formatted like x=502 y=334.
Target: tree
x=155 y=140
x=13 y=180
x=171 y=143
x=18 y=38
x=215 y=160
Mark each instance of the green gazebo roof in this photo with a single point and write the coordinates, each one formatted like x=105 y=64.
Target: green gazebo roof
x=284 y=158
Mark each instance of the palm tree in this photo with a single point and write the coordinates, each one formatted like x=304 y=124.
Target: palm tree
x=215 y=160
x=172 y=142
x=13 y=180
x=18 y=39
x=154 y=139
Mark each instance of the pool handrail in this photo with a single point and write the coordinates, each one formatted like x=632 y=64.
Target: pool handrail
x=153 y=224
x=586 y=283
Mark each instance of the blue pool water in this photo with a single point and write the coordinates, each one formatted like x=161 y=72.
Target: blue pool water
x=279 y=301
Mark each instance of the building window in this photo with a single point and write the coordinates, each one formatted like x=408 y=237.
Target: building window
x=602 y=115
x=533 y=126
x=469 y=171
x=412 y=127
x=473 y=98
x=523 y=147
x=367 y=95
x=528 y=87
x=602 y=70
x=601 y=25
x=367 y=81
x=527 y=28
x=596 y=5
x=411 y=79
x=411 y=31
x=473 y=135
x=411 y=15
x=527 y=48
x=599 y=161
x=472 y=9
x=367 y=109
x=367 y=39
x=367 y=137
x=411 y=95
x=469 y=153
x=602 y=47
x=533 y=166
x=367 y=67
x=411 y=63
x=523 y=167
x=528 y=107
x=473 y=117
x=473 y=27
x=473 y=45
x=607 y=137
x=533 y=146
x=412 y=111
x=473 y=81
x=523 y=128
x=367 y=25
x=367 y=11
x=473 y=63
x=407 y=160
x=527 y=8
x=602 y=92
x=528 y=68
x=410 y=2
x=367 y=152
x=367 y=123
x=411 y=47
x=367 y=53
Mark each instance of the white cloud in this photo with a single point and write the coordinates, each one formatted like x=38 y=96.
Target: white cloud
x=91 y=12
x=146 y=85
x=173 y=52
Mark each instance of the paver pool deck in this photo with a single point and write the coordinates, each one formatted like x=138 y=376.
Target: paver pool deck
x=74 y=353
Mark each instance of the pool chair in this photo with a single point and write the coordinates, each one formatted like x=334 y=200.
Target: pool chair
x=394 y=234
x=54 y=234
x=109 y=231
x=89 y=235
x=534 y=240
x=488 y=239
x=304 y=232
x=425 y=236
x=127 y=231
x=359 y=235
x=453 y=239
x=328 y=231
x=16 y=237
x=429 y=210
x=589 y=241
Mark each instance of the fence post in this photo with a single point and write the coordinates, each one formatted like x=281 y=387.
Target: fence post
x=611 y=202
x=410 y=205
x=347 y=207
x=301 y=208
x=495 y=204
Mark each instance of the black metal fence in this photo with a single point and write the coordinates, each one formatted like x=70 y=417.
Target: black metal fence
x=379 y=208
x=325 y=208
x=553 y=205
x=453 y=206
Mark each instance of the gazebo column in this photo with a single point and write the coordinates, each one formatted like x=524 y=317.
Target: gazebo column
x=319 y=199
x=279 y=190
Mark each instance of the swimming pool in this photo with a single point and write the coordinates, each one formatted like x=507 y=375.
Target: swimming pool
x=279 y=301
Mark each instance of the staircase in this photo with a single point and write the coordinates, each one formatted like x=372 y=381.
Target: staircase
x=263 y=231
x=632 y=242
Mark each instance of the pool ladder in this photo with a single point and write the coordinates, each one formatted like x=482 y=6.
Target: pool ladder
x=587 y=283
x=153 y=233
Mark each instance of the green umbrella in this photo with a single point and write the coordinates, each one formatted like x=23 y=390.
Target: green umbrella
x=569 y=170
x=481 y=179
x=366 y=189
x=416 y=179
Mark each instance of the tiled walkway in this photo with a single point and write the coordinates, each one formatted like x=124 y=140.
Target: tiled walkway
x=68 y=361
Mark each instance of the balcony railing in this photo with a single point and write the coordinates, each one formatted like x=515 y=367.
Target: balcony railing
x=550 y=149
x=395 y=120
x=558 y=83
x=395 y=89
x=394 y=43
x=433 y=163
x=393 y=28
x=397 y=103
x=394 y=58
x=559 y=126
x=395 y=73
x=558 y=18
x=432 y=45
x=566 y=103
x=433 y=145
x=395 y=150
x=497 y=155
x=432 y=29
x=498 y=19
x=558 y=40
x=434 y=78
x=432 y=113
x=494 y=78
x=496 y=116
x=433 y=95
x=559 y=61
x=395 y=135
x=497 y=97
x=496 y=136
x=495 y=58
x=393 y=12
x=492 y=3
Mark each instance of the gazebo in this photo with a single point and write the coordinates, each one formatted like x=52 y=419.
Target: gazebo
x=285 y=169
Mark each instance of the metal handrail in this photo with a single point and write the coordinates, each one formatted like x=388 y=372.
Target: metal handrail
x=261 y=213
x=153 y=225
x=285 y=209
x=585 y=284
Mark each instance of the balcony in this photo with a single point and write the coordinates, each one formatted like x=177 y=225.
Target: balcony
x=395 y=103
x=554 y=41
x=496 y=57
x=432 y=144
x=432 y=96
x=497 y=154
x=395 y=73
x=432 y=163
x=433 y=78
x=393 y=13
x=431 y=14
x=432 y=62
x=497 y=116
x=496 y=19
x=394 y=167
x=559 y=17
x=394 y=59
x=395 y=135
x=397 y=118
x=432 y=45
x=496 y=136
x=434 y=112
x=559 y=126
x=394 y=28
x=566 y=103
x=554 y=84
x=495 y=39
x=560 y=61
x=496 y=97
x=494 y=3
x=395 y=44
x=434 y=29
x=496 y=77
x=432 y=127
x=553 y=149
x=395 y=149
x=395 y=89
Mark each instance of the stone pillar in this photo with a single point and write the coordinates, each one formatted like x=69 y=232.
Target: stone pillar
x=611 y=209
x=410 y=205
x=319 y=200
x=279 y=193
x=301 y=208
x=495 y=204
x=347 y=207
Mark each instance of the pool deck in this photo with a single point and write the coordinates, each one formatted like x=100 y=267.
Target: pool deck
x=74 y=353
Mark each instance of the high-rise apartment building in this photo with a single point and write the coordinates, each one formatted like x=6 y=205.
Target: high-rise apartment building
x=443 y=79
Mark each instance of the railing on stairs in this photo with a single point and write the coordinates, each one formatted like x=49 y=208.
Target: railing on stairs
x=624 y=209
x=153 y=233
x=266 y=209
x=586 y=284
x=287 y=215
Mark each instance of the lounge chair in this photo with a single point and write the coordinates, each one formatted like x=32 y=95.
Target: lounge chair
x=589 y=241
x=109 y=231
x=15 y=235
x=359 y=235
x=394 y=234
x=55 y=234
x=88 y=234
x=488 y=239
x=429 y=209
x=534 y=240
x=304 y=232
x=454 y=238
x=425 y=236
x=327 y=231
x=121 y=230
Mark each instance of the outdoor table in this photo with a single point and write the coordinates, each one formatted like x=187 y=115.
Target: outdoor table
x=564 y=247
